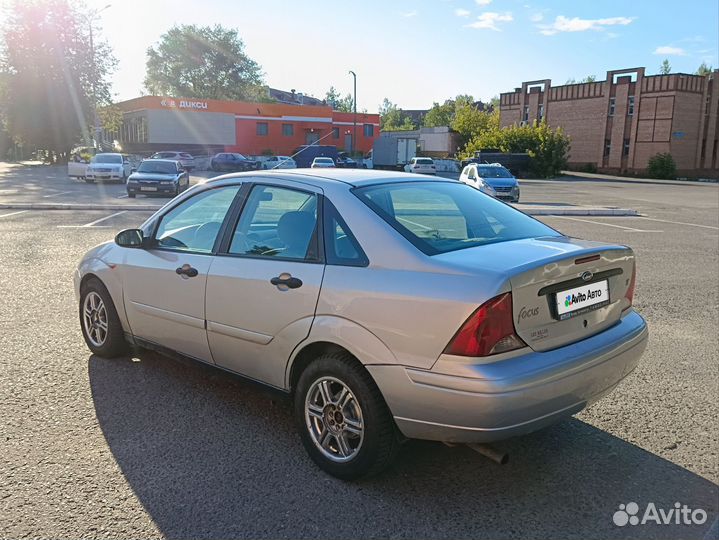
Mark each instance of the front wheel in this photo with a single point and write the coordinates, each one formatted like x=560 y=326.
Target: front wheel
x=343 y=420
x=100 y=324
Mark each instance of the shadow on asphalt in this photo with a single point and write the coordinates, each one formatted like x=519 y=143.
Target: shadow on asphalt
x=211 y=456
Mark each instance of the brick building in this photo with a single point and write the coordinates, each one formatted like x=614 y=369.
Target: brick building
x=619 y=123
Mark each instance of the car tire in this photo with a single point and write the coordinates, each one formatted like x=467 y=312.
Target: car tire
x=364 y=415
x=131 y=195
x=99 y=321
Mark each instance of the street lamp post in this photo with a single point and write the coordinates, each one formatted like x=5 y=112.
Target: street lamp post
x=354 y=124
x=91 y=17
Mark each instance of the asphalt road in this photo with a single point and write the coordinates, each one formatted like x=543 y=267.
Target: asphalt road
x=151 y=447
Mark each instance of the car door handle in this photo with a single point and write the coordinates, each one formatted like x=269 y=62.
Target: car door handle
x=286 y=280
x=186 y=270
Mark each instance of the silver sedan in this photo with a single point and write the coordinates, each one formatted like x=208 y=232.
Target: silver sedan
x=388 y=306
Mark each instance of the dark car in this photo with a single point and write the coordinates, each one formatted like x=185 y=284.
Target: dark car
x=345 y=161
x=233 y=161
x=158 y=177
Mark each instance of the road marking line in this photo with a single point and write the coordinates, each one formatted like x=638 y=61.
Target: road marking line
x=56 y=194
x=93 y=223
x=13 y=213
x=122 y=196
x=630 y=229
x=683 y=223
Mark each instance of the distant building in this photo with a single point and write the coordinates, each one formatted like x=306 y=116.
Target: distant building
x=152 y=123
x=619 y=123
x=293 y=98
x=438 y=142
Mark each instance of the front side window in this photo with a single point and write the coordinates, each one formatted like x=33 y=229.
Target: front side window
x=277 y=223
x=194 y=224
x=438 y=217
x=262 y=128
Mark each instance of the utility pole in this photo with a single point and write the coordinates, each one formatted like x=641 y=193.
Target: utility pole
x=91 y=17
x=354 y=125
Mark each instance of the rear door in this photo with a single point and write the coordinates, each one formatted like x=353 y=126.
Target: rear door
x=263 y=286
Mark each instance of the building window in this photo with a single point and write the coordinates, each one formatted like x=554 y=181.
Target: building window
x=630 y=108
x=625 y=147
x=262 y=128
x=612 y=104
x=607 y=147
x=525 y=115
x=368 y=130
x=541 y=112
x=335 y=133
x=288 y=130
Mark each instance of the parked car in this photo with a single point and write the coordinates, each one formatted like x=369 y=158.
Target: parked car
x=420 y=308
x=279 y=162
x=158 y=177
x=497 y=177
x=469 y=176
x=345 y=161
x=108 y=166
x=421 y=165
x=304 y=155
x=322 y=162
x=226 y=161
x=186 y=160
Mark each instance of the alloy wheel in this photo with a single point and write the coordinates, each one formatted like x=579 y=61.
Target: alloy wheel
x=94 y=319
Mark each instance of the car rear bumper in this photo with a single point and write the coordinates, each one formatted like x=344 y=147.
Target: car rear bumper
x=514 y=396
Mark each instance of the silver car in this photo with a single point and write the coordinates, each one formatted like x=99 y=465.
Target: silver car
x=388 y=306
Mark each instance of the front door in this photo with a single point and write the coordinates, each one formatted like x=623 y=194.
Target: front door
x=348 y=143
x=164 y=286
x=262 y=289
x=311 y=137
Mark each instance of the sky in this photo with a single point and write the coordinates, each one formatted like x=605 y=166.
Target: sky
x=417 y=52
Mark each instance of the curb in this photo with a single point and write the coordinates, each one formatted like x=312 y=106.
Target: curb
x=546 y=211
x=576 y=175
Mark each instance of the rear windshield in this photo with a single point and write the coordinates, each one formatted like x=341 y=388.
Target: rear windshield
x=438 y=217
x=494 y=172
x=107 y=158
x=323 y=160
x=425 y=161
x=157 y=167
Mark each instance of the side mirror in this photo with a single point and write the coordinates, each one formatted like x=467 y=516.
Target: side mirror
x=130 y=238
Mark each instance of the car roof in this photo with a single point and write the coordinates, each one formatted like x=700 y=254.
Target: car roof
x=351 y=177
x=156 y=160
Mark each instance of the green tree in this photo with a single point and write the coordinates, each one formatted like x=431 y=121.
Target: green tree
x=205 y=62
x=665 y=67
x=704 y=70
x=50 y=75
x=548 y=148
x=439 y=115
x=393 y=119
x=337 y=102
x=469 y=121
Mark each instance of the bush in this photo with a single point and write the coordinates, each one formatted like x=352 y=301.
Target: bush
x=662 y=166
x=547 y=148
x=588 y=167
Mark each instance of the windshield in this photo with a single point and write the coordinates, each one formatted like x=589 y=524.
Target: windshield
x=157 y=167
x=493 y=172
x=438 y=217
x=107 y=158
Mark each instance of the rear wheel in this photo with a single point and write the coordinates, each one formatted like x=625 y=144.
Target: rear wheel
x=100 y=324
x=345 y=425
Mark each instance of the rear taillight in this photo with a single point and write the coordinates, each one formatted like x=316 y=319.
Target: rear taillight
x=632 y=282
x=490 y=330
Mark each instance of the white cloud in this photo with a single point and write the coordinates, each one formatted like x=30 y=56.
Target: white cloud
x=483 y=2
x=575 y=24
x=668 y=50
x=409 y=14
x=489 y=20
x=536 y=17
x=459 y=12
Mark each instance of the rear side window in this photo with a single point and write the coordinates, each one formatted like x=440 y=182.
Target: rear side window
x=438 y=217
x=341 y=247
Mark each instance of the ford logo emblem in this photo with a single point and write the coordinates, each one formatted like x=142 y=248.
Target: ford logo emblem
x=586 y=276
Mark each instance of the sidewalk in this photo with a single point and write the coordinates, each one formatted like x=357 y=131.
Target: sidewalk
x=612 y=178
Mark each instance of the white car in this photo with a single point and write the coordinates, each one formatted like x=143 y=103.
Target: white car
x=279 y=162
x=470 y=177
x=322 y=163
x=186 y=160
x=421 y=165
x=108 y=166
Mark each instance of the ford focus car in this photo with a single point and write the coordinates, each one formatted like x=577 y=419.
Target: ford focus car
x=388 y=306
x=158 y=177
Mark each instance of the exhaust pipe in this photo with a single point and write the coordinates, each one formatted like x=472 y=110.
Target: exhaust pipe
x=498 y=456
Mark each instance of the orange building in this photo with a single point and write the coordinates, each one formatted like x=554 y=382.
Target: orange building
x=152 y=123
